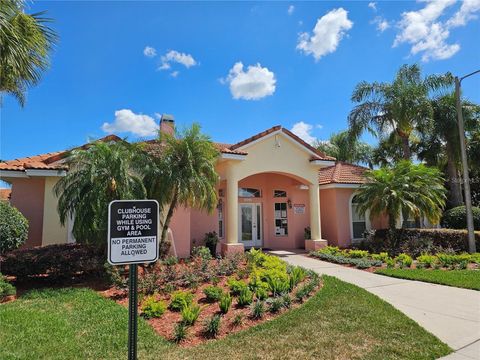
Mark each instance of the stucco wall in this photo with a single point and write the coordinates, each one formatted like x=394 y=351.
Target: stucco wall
x=180 y=227
x=328 y=209
x=53 y=231
x=28 y=197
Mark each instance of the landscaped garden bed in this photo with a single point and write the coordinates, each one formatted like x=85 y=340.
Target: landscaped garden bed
x=204 y=298
x=461 y=270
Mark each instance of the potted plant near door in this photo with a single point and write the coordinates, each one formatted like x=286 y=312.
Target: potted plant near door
x=211 y=241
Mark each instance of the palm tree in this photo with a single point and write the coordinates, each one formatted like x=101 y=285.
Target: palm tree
x=440 y=145
x=406 y=189
x=342 y=147
x=97 y=174
x=25 y=45
x=400 y=107
x=183 y=174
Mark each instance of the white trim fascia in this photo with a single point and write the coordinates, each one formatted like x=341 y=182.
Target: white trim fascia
x=323 y=162
x=339 y=186
x=13 y=174
x=226 y=156
x=39 y=172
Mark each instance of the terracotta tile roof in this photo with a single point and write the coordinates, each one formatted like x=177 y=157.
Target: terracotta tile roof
x=318 y=154
x=342 y=173
x=5 y=194
x=154 y=147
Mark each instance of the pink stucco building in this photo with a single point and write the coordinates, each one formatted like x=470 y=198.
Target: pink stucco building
x=273 y=186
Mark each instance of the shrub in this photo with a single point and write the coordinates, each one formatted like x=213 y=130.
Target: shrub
x=404 y=260
x=202 y=252
x=261 y=293
x=245 y=297
x=237 y=320
x=152 y=308
x=114 y=276
x=236 y=286
x=148 y=282
x=13 y=228
x=257 y=309
x=287 y=301
x=362 y=263
x=170 y=260
x=297 y=275
x=180 y=300
x=332 y=250
x=426 y=260
x=213 y=293
x=211 y=241
x=456 y=218
x=179 y=332
x=225 y=303
x=190 y=314
x=56 y=261
x=211 y=326
x=277 y=285
x=275 y=304
x=6 y=289
x=357 y=254
x=383 y=256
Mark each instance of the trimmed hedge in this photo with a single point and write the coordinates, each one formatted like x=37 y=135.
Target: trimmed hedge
x=456 y=218
x=417 y=241
x=13 y=228
x=54 y=261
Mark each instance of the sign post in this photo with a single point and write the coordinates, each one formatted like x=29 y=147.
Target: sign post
x=132 y=239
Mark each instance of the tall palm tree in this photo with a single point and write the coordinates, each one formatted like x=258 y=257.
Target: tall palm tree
x=98 y=174
x=25 y=45
x=406 y=189
x=400 y=107
x=440 y=145
x=183 y=174
x=342 y=147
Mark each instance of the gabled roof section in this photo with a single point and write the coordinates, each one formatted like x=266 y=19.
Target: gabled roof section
x=316 y=154
x=342 y=173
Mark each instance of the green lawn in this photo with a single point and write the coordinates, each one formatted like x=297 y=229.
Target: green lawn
x=341 y=322
x=468 y=279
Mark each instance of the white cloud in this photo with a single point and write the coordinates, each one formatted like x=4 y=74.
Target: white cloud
x=428 y=34
x=372 y=5
x=291 y=9
x=174 y=56
x=327 y=34
x=381 y=23
x=149 y=51
x=253 y=84
x=174 y=73
x=127 y=121
x=304 y=131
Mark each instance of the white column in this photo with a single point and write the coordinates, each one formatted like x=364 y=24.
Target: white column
x=232 y=209
x=315 y=225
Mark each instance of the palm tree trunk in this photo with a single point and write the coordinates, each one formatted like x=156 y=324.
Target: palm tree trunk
x=392 y=221
x=455 y=194
x=407 y=155
x=166 y=224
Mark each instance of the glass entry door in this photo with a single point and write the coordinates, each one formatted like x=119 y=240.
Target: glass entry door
x=250 y=224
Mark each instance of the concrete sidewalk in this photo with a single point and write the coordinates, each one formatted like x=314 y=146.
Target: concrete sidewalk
x=451 y=314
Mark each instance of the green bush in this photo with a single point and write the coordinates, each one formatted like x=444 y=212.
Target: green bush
x=257 y=309
x=179 y=332
x=456 y=218
x=277 y=285
x=170 y=260
x=153 y=308
x=213 y=293
x=404 y=260
x=13 y=228
x=6 y=289
x=211 y=241
x=383 y=256
x=225 y=303
x=362 y=263
x=261 y=292
x=180 y=300
x=190 y=314
x=287 y=301
x=211 y=326
x=236 y=286
x=332 y=250
x=357 y=254
x=245 y=297
x=275 y=304
x=114 y=276
x=297 y=275
x=202 y=252
x=427 y=261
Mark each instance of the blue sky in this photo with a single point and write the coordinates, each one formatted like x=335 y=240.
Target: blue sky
x=237 y=68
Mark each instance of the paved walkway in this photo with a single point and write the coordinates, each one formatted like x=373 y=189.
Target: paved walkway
x=451 y=314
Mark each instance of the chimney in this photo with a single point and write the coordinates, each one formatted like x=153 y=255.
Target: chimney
x=167 y=124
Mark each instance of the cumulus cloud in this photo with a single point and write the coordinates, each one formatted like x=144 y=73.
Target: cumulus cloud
x=372 y=5
x=174 y=73
x=126 y=121
x=327 y=34
x=381 y=23
x=304 y=131
x=291 y=9
x=149 y=51
x=428 y=34
x=253 y=84
x=174 y=56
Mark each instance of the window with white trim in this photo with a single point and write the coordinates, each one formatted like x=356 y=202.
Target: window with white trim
x=221 y=224
x=279 y=193
x=281 y=220
x=359 y=221
x=249 y=193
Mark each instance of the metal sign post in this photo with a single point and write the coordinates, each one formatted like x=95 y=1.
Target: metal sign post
x=132 y=239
